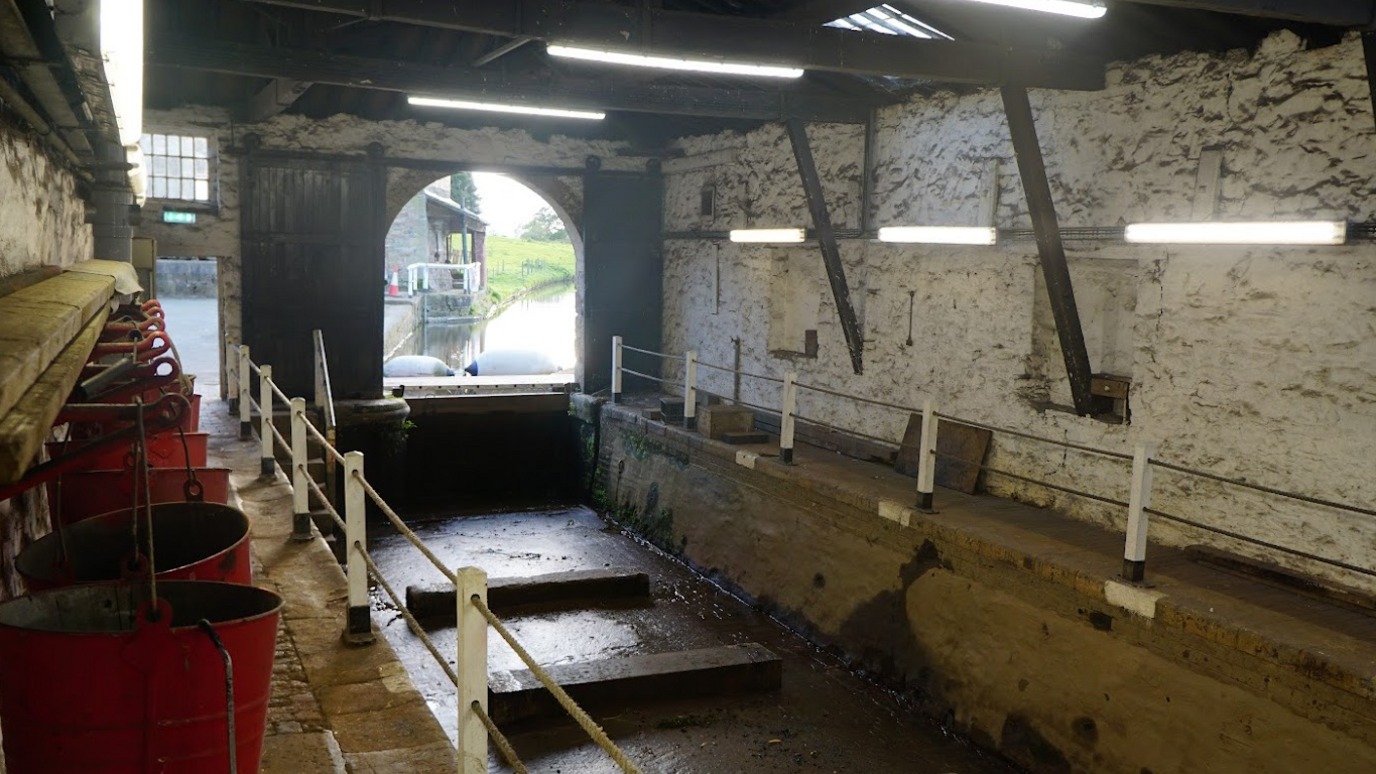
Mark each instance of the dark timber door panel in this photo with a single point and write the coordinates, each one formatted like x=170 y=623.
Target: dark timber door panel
x=313 y=258
x=623 y=268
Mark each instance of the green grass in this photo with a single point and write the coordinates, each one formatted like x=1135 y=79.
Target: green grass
x=514 y=265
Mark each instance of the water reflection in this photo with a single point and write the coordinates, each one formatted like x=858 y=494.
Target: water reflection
x=542 y=322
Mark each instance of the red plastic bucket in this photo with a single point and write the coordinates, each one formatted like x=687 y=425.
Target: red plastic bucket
x=87 y=493
x=193 y=541
x=90 y=685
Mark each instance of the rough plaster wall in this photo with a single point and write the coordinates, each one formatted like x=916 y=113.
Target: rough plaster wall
x=1256 y=363
x=42 y=223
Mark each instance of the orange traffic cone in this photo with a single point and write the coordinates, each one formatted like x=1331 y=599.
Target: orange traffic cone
x=393 y=289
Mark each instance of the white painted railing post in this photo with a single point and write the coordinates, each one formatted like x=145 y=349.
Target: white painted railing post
x=318 y=371
x=690 y=389
x=789 y=406
x=471 y=667
x=245 y=405
x=616 y=369
x=231 y=377
x=1139 y=500
x=359 y=626
x=926 y=460
x=265 y=418
x=300 y=471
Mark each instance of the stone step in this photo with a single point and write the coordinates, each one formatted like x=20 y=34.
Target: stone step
x=739 y=438
x=436 y=604
x=517 y=696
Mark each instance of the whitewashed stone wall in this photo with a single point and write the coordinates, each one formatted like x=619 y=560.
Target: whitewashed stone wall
x=1256 y=363
x=218 y=233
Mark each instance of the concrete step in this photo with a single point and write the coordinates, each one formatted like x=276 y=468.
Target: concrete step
x=517 y=696
x=436 y=604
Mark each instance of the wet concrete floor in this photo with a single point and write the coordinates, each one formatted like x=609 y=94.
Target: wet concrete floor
x=825 y=719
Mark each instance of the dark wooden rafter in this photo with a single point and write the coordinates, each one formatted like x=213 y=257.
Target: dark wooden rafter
x=1338 y=13
x=1055 y=270
x=768 y=41
x=823 y=11
x=831 y=253
x=464 y=83
x=278 y=95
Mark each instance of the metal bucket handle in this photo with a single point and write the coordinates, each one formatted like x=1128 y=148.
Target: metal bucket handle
x=209 y=630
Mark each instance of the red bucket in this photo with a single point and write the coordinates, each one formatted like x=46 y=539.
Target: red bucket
x=86 y=493
x=90 y=685
x=193 y=541
x=165 y=450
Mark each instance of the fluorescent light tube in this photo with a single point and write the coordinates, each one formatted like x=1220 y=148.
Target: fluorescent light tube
x=1087 y=10
x=939 y=235
x=494 y=107
x=672 y=63
x=1298 y=232
x=790 y=235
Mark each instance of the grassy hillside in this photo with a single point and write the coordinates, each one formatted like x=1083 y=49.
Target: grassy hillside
x=514 y=265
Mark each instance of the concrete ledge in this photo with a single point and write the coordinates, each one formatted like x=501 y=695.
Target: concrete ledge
x=518 y=696
x=436 y=604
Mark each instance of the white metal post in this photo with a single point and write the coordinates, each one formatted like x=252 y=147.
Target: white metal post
x=300 y=471
x=359 y=627
x=232 y=377
x=245 y=418
x=1139 y=500
x=318 y=371
x=789 y=406
x=926 y=460
x=471 y=668
x=690 y=389
x=265 y=418
x=616 y=369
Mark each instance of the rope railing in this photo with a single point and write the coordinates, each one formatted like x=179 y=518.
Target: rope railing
x=576 y=712
x=647 y=376
x=652 y=353
x=361 y=568
x=1143 y=461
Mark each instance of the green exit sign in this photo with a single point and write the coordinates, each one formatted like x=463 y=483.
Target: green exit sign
x=172 y=216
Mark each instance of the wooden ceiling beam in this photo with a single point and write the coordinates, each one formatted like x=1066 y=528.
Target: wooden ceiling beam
x=707 y=36
x=467 y=83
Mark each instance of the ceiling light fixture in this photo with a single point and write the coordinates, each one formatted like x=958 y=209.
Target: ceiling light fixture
x=672 y=63
x=940 y=235
x=1295 y=232
x=784 y=235
x=1082 y=10
x=495 y=107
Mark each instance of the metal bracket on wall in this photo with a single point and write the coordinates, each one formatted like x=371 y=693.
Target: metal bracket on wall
x=831 y=254
x=1054 y=268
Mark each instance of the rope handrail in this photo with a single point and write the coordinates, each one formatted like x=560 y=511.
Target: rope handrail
x=405 y=530
x=1265 y=489
x=1030 y=480
x=652 y=352
x=320 y=495
x=647 y=376
x=322 y=440
x=503 y=744
x=1265 y=544
x=278 y=392
x=765 y=377
x=867 y=436
x=411 y=621
x=764 y=409
x=1031 y=437
x=576 y=712
x=278 y=435
x=857 y=398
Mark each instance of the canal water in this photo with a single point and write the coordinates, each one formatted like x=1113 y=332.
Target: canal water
x=542 y=321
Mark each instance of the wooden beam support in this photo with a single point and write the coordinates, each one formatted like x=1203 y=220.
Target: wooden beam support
x=831 y=254
x=1054 y=268
x=275 y=97
x=500 y=51
x=482 y=85
x=712 y=36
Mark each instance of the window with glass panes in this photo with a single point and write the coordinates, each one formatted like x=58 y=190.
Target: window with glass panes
x=178 y=166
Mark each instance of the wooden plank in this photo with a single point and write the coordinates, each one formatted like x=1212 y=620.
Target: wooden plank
x=435 y=604
x=36 y=324
x=517 y=696
x=967 y=444
x=24 y=428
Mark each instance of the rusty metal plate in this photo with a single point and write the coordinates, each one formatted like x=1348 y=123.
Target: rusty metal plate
x=967 y=445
